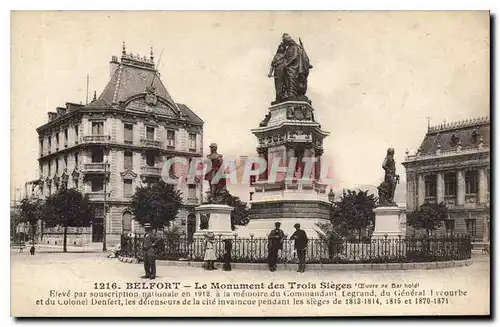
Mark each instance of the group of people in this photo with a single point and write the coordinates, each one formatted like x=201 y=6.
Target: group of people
x=275 y=243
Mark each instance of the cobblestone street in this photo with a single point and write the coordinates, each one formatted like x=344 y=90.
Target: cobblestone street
x=34 y=276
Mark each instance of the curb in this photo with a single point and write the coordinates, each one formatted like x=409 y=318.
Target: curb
x=317 y=266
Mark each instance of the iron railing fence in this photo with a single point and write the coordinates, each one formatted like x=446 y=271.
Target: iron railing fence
x=255 y=250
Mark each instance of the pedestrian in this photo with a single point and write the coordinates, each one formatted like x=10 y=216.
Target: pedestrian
x=149 y=245
x=32 y=250
x=275 y=243
x=210 y=251
x=228 y=245
x=300 y=238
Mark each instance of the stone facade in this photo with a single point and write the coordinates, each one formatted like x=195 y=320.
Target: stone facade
x=116 y=143
x=452 y=166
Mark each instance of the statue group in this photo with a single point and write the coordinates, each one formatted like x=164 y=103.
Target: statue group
x=391 y=179
x=290 y=69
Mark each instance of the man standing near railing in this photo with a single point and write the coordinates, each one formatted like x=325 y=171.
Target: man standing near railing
x=149 y=244
x=275 y=243
x=300 y=238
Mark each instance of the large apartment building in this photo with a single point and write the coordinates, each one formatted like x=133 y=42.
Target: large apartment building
x=117 y=142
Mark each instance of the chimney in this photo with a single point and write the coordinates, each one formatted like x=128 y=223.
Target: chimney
x=113 y=66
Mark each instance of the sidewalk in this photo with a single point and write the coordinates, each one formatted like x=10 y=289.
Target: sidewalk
x=50 y=248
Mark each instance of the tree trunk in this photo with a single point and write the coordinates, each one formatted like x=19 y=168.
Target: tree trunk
x=33 y=232
x=65 y=239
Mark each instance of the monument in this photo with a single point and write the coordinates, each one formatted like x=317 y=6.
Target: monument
x=289 y=131
x=387 y=213
x=214 y=215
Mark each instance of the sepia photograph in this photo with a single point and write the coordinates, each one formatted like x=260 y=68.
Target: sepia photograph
x=250 y=163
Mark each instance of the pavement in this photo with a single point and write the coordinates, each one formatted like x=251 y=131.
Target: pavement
x=34 y=277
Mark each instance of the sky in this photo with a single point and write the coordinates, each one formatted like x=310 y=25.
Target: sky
x=377 y=77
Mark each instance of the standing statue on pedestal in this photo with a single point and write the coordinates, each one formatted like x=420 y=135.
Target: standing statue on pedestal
x=218 y=189
x=291 y=69
x=391 y=179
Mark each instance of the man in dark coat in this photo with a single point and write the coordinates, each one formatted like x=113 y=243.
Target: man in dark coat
x=301 y=240
x=275 y=243
x=149 y=244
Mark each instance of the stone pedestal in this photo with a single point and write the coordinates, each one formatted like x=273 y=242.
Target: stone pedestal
x=387 y=222
x=219 y=220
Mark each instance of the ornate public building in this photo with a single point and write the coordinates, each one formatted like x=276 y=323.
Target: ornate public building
x=452 y=166
x=116 y=143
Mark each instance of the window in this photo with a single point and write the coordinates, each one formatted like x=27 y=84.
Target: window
x=97 y=155
x=471 y=182
x=450 y=227
x=57 y=141
x=127 y=160
x=192 y=186
x=57 y=166
x=150 y=159
x=76 y=160
x=127 y=221
x=450 y=184
x=66 y=137
x=50 y=166
x=150 y=133
x=192 y=142
x=65 y=162
x=171 y=139
x=41 y=147
x=127 y=188
x=128 y=133
x=98 y=128
x=76 y=133
x=97 y=184
x=430 y=186
x=470 y=225
x=50 y=144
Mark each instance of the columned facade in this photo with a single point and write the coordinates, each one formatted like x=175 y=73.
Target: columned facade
x=452 y=167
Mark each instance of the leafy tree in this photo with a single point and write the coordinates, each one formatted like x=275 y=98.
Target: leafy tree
x=68 y=208
x=239 y=215
x=157 y=204
x=429 y=216
x=330 y=235
x=31 y=213
x=354 y=210
x=15 y=219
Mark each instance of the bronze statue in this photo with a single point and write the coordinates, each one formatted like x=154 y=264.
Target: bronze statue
x=391 y=179
x=291 y=69
x=217 y=190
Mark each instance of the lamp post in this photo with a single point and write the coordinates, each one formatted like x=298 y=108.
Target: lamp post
x=104 y=249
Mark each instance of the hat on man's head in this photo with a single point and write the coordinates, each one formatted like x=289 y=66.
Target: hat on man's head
x=277 y=224
x=296 y=225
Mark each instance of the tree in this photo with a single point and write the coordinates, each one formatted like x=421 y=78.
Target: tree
x=15 y=219
x=157 y=204
x=68 y=208
x=354 y=210
x=240 y=213
x=31 y=213
x=428 y=216
x=330 y=235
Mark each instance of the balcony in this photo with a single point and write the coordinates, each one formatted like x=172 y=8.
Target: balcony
x=95 y=168
x=471 y=199
x=450 y=200
x=153 y=144
x=96 y=139
x=147 y=171
x=98 y=196
x=191 y=200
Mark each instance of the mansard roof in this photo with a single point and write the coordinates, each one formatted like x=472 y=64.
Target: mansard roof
x=447 y=136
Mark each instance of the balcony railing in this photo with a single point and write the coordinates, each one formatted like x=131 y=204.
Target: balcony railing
x=96 y=139
x=150 y=171
x=471 y=198
x=151 y=143
x=98 y=196
x=94 y=167
x=192 y=200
